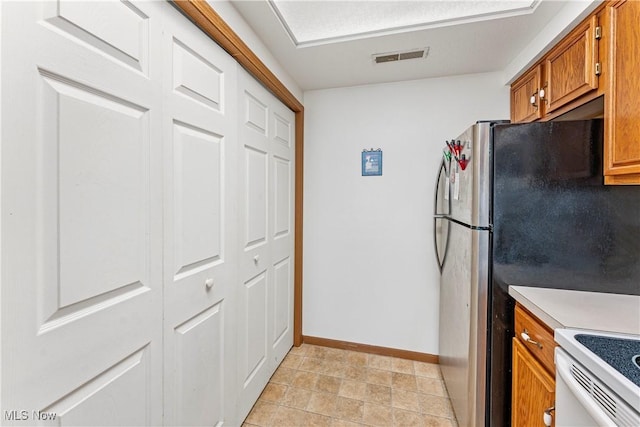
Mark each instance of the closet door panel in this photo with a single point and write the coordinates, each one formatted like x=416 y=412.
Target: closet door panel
x=265 y=320
x=282 y=227
x=81 y=213
x=200 y=251
x=253 y=207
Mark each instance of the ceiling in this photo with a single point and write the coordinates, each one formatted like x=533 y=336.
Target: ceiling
x=328 y=44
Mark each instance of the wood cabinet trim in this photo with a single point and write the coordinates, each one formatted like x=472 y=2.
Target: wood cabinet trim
x=627 y=179
x=573 y=106
x=205 y=18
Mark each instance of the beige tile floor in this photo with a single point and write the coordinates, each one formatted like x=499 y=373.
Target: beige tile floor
x=320 y=386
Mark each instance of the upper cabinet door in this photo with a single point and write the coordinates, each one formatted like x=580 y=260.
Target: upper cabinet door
x=525 y=102
x=622 y=113
x=570 y=68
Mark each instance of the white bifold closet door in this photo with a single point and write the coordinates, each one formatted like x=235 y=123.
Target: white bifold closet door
x=81 y=213
x=200 y=228
x=266 y=228
x=146 y=220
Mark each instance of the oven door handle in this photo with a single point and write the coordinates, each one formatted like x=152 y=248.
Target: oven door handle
x=564 y=370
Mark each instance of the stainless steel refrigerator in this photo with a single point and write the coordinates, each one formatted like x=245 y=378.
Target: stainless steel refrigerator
x=521 y=204
x=462 y=235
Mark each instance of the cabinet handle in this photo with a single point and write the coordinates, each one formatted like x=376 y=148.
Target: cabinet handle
x=542 y=93
x=526 y=338
x=547 y=418
x=532 y=100
x=208 y=284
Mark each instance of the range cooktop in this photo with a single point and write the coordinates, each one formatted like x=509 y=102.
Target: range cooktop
x=611 y=357
x=620 y=353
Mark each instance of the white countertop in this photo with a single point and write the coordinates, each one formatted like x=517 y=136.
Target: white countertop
x=562 y=308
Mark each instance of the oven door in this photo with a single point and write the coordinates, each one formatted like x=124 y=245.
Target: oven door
x=583 y=401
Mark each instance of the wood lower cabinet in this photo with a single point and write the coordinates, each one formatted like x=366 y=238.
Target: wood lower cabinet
x=622 y=109
x=533 y=389
x=533 y=375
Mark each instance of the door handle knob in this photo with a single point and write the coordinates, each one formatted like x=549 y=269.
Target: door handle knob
x=208 y=283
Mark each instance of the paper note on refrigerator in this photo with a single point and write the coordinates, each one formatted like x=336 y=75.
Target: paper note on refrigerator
x=447 y=186
x=456 y=186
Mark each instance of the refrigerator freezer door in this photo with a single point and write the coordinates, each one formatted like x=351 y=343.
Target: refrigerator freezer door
x=470 y=188
x=463 y=302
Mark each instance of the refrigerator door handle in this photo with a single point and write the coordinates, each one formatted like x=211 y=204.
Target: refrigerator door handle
x=435 y=240
x=440 y=216
x=441 y=179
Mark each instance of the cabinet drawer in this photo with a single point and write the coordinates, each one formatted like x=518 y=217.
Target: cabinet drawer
x=541 y=343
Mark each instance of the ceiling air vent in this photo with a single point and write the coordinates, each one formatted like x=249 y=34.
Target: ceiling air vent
x=380 y=58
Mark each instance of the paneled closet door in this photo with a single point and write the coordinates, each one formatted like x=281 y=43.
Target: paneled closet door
x=266 y=184
x=201 y=253
x=81 y=213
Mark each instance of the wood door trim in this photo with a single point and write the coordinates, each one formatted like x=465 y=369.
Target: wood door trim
x=372 y=349
x=205 y=18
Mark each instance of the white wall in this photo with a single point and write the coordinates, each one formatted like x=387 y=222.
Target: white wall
x=370 y=274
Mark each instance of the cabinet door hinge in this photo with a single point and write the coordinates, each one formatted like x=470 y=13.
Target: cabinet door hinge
x=598 y=69
x=598 y=33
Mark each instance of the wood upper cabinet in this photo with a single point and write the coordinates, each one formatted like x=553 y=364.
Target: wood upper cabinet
x=622 y=105
x=565 y=74
x=571 y=69
x=533 y=382
x=598 y=60
x=525 y=105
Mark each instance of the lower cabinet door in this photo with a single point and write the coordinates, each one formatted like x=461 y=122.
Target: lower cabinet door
x=533 y=389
